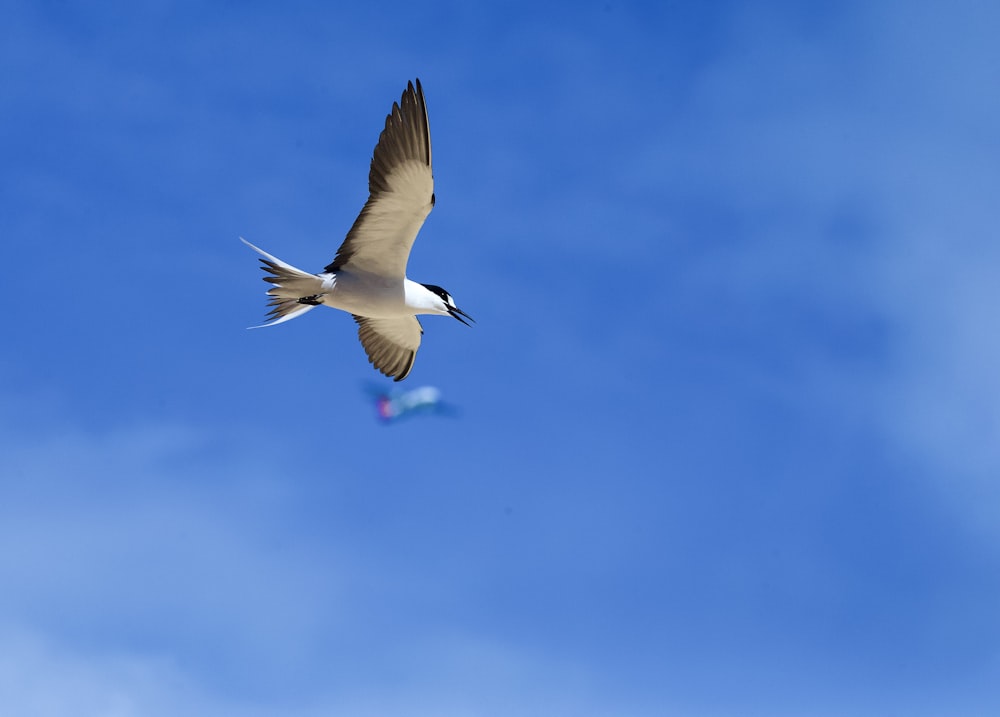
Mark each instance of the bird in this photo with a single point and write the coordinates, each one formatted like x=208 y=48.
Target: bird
x=367 y=277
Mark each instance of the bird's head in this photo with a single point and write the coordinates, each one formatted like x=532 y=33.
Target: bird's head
x=444 y=304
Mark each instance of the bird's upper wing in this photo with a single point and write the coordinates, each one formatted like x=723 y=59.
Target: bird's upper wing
x=401 y=193
x=391 y=344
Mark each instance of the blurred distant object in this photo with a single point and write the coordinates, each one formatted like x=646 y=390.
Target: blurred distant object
x=394 y=404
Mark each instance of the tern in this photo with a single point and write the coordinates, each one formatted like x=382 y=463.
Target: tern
x=367 y=277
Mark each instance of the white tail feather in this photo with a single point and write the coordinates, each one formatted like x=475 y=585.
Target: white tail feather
x=289 y=287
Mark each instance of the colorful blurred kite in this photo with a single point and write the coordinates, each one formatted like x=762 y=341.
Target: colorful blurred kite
x=395 y=403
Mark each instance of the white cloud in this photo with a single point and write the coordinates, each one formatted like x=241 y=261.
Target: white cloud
x=138 y=536
x=884 y=109
x=453 y=676
x=41 y=680
x=140 y=581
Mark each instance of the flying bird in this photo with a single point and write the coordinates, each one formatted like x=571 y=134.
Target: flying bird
x=367 y=277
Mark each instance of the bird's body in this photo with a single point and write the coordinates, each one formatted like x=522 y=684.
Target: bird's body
x=368 y=276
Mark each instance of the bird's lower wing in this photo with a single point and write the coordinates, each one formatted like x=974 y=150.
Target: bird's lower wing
x=391 y=344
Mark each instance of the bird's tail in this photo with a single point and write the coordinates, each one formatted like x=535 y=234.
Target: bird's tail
x=294 y=292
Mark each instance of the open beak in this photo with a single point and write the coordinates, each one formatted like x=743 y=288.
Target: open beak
x=458 y=314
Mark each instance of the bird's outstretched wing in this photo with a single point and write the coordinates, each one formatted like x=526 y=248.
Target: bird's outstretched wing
x=401 y=193
x=391 y=344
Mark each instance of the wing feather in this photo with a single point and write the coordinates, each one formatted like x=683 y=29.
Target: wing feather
x=401 y=193
x=391 y=344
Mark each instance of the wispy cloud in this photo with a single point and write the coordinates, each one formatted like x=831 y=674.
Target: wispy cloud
x=143 y=579
x=847 y=169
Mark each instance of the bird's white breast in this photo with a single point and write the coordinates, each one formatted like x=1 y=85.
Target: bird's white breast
x=366 y=295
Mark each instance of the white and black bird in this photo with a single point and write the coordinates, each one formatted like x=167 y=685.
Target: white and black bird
x=367 y=278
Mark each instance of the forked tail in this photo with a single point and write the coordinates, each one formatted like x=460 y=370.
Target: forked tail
x=294 y=291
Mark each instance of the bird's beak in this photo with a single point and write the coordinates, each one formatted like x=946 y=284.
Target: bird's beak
x=458 y=314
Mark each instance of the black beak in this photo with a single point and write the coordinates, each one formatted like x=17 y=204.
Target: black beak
x=458 y=314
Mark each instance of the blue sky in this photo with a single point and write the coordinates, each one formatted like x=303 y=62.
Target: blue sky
x=728 y=440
